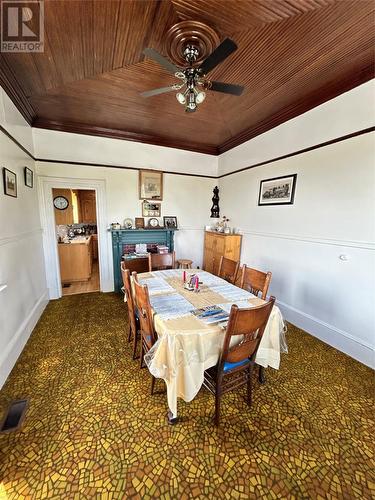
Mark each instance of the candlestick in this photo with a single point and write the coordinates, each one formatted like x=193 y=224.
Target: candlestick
x=184 y=276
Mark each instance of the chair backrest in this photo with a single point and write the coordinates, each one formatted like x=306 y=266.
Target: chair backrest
x=125 y=273
x=228 y=269
x=255 y=281
x=250 y=323
x=159 y=261
x=142 y=300
x=139 y=264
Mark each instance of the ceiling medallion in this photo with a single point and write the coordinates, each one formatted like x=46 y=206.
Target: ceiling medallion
x=189 y=33
x=193 y=50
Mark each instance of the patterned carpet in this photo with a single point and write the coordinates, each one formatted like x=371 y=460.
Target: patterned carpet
x=93 y=431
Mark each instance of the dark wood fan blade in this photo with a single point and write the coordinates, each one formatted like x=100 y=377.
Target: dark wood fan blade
x=227 y=88
x=161 y=90
x=221 y=52
x=163 y=61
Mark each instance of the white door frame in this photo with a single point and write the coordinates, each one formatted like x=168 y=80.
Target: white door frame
x=47 y=216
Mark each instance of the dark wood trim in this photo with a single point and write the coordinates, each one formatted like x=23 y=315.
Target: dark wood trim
x=2 y=129
x=301 y=151
x=85 y=164
x=14 y=91
x=266 y=162
x=81 y=128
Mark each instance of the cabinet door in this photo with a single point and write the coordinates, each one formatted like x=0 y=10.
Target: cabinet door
x=219 y=245
x=88 y=206
x=208 y=261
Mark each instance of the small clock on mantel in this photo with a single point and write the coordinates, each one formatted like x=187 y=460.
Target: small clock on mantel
x=153 y=223
x=60 y=202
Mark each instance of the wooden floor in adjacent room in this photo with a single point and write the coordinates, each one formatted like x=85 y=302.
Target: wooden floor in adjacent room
x=91 y=285
x=92 y=429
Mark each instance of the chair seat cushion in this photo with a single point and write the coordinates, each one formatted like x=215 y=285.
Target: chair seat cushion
x=230 y=366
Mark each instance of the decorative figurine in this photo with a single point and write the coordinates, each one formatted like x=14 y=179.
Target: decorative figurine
x=215 y=210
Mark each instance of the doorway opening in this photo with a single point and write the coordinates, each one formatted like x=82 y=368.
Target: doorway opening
x=77 y=239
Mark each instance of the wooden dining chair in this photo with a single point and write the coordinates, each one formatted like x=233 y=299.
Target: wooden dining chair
x=228 y=269
x=147 y=332
x=235 y=365
x=132 y=312
x=160 y=261
x=255 y=281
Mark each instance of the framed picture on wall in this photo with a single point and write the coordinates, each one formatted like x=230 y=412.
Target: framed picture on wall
x=29 y=177
x=170 y=222
x=139 y=223
x=150 y=185
x=277 y=191
x=10 y=183
x=151 y=209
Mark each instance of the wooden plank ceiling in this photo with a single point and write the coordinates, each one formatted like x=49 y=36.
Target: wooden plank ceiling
x=292 y=55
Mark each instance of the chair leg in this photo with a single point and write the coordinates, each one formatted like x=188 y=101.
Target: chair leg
x=152 y=385
x=142 y=354
x=262 y=375
x=130 y=332
x=249 y=385
x=217 y=408
x=135 y=345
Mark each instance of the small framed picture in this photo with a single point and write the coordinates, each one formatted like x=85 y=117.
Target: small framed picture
x=10 y=183
x=139 y=223
x=277 y=191
x=150 y=185
x=151 y=209
x=29 y=177
x=170 y=222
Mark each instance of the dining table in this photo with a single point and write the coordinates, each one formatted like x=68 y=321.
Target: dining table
x=186 y=345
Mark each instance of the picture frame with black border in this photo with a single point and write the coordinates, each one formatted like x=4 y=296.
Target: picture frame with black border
x=10 y=182
x=29 y=177
x=151 y=208
x=277 y=190
x=170 y=222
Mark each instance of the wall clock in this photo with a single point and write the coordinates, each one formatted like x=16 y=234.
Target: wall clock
x=153 y=223
x=60 y=202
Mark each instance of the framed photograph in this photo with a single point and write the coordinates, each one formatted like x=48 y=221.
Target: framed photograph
x=151 y=209
x=10 y=183
x=170 y=222
x=150 y=185
x=29 y=177
x=277 y=191
x=139 y=223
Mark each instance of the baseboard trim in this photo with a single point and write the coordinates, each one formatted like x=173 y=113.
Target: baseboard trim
x=339 y=339
x=10 y=355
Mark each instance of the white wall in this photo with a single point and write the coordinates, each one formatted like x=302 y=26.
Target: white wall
x=352 y=111
x=188 y=198
x=333 y=215
x=64 y=146
x=21 y=254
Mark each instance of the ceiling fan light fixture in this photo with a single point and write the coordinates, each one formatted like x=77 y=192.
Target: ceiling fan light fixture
x=181 y=98
x=200 y=97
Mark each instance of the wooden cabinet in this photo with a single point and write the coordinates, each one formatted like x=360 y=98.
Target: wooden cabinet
x=87 y=205
x=218 y=244
x=75 y=261
x=94 y=239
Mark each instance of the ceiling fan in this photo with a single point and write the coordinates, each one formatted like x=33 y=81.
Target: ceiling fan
x=193 y=79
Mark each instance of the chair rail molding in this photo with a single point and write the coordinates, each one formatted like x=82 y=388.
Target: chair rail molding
x=47 y=216
x=20 y=236
x=365 y=245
